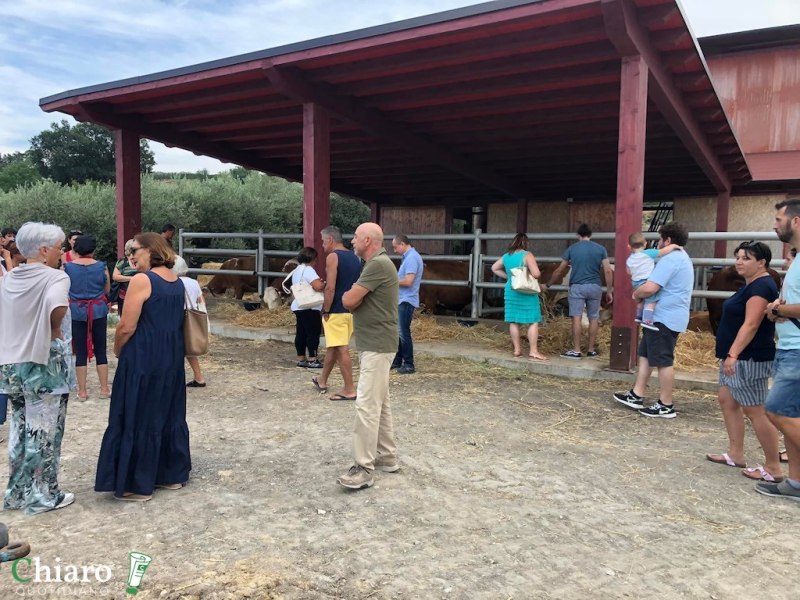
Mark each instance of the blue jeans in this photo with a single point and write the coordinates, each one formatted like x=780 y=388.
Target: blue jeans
x=405 y=349
x=3 y=407
x=784 y=397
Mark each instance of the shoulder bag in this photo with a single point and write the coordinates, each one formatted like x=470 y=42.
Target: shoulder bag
x=306 y=296
x=195 y=330
x=523 y=282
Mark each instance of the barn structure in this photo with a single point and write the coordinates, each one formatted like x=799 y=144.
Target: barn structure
x=542 y=113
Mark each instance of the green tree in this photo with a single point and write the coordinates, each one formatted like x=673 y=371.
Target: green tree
x=79 y=154
x=17 y=173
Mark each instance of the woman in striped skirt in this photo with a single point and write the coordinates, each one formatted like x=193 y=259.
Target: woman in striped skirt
x=746 y=349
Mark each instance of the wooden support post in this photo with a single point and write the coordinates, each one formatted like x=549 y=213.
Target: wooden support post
x=630 y=196
x=129 y=187
x=375 y=212
x=522 y=215
x=316 y=178
x=723 y=212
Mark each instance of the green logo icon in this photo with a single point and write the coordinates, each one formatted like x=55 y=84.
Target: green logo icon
x=138 y=565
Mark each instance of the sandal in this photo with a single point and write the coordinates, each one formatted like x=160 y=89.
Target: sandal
x=129 y=497
x=724 y=459
x=320 y=389
x=168 y=486
x=194 y=383
x=759 y=473
x=538 y=358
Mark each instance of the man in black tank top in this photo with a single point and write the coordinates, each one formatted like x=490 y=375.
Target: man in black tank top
x=342 y=269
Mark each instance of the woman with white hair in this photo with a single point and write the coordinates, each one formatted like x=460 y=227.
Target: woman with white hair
x=195 y=301
x=36 y=369
x=123 y=273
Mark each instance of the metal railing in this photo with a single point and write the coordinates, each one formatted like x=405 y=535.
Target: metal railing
x=477 y=261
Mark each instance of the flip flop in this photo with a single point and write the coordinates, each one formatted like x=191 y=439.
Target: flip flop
x=538 y=358
x=127 y=497
x=168 y=486
x=338 y=397
x=517 y=354
x=759 y=473
x=724 y=459
x=320 y=389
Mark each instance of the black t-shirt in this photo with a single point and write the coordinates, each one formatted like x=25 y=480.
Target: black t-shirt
x=762 y=347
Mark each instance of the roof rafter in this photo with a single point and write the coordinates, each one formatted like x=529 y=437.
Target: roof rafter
x=629 y=38
x=292 y=83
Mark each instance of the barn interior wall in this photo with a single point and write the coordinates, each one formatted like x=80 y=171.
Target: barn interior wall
x=747 y=213
x=543 y=217
x=411 y=220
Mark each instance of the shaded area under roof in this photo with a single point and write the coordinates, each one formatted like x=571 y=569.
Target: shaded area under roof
x=492 y=102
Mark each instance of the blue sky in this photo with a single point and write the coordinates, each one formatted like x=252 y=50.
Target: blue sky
x=49 y=46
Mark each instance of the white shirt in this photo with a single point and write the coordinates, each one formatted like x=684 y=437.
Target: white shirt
x=194 y=295
x=304 y=273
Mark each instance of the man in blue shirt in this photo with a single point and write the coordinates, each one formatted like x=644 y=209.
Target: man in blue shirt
x=586 y=258
x=410 y=275
x=783 y=401
x=673 y=276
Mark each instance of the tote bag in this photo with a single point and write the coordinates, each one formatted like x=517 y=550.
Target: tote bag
x=306 y=296
x=195 y=331
x=523 y=282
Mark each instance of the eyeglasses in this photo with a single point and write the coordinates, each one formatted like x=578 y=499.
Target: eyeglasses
x=135 y=249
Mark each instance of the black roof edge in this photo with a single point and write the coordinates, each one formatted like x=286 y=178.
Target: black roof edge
x=754 y=39
x=329 y=40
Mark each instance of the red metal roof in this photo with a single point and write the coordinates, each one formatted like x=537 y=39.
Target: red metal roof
x=501 y=100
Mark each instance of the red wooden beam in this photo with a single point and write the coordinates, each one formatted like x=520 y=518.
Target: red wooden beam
x=630 y=39
x=630 y=194
x=723 y=212
x=316 y=178
x=127 y=157
x=292 y=84
x=485 y=48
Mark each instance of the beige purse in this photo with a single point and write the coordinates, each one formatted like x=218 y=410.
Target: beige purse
x=523 y=282
x=195 y=331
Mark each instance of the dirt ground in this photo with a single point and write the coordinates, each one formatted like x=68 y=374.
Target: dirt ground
x=513 y=486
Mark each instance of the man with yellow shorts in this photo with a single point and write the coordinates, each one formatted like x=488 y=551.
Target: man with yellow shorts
x=342 y=268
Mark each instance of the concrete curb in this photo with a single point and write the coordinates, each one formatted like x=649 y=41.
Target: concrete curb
x=557 y=367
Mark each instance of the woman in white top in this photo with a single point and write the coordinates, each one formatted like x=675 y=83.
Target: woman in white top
x=309 y=321
x=195 y=301
x=37 y=370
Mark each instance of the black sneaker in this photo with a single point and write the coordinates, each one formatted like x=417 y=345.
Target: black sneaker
x=314 y=364
x=649 y=325
x=571 y=354
x=782 y=489
x=592 y=354
x=629 y=400
x=303 y=364
x=406 y=370
x=659 y=410
x=394 y=367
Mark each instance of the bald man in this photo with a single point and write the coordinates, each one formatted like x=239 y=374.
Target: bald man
x=373 y=301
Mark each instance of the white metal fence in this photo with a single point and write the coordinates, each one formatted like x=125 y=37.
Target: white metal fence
x=476 y=259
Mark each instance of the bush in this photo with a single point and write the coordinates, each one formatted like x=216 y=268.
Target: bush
x=226 y=203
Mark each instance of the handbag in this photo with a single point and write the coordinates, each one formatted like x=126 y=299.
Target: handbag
x=523 y=282
x=305 y=295
x=195 y=330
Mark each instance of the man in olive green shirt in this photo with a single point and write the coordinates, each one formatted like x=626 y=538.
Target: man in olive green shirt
x=373 y=301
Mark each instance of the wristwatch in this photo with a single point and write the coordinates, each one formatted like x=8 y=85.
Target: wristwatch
x=775 y=312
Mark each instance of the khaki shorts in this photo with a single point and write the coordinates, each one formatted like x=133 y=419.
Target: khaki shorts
x=338 y=329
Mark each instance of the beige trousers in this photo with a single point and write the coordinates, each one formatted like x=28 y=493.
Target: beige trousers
x=372 y=431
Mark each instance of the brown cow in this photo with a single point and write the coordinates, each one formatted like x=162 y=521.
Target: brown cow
x=727 y=280
x=243 y=284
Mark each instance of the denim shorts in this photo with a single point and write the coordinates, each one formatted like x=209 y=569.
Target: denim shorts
x=588 y=295
x=784 y=397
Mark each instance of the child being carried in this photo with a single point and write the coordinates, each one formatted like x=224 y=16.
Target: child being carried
x=641 y=263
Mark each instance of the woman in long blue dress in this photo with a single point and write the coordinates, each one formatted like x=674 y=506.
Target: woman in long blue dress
x=146 y=444
x=520 y=309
